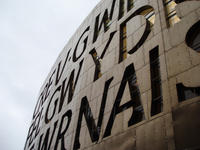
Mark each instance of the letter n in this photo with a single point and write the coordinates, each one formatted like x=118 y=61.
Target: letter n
x=135 y=102
x=94 y=130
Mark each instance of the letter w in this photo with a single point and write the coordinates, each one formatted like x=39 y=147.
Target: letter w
x=104 y=21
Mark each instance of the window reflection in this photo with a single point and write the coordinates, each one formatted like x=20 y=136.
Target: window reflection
x=171 y=15
x=149 y=14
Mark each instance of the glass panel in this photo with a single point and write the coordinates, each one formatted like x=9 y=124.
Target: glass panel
x=170 y=6
x=99 y=74
x=124 y=44
x=173 y=20
x=124 y=55
x=167 y=1
x=193 y=37
x=151 y=19
x=107 y=22
x=146 y=11
x=124 y=30
x=149 y=15
x=121 y=9
x=156 y=88
x=185 y=93
x=130 y=4
x=196 y=42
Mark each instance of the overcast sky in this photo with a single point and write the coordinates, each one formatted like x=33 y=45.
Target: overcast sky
x=32 y=34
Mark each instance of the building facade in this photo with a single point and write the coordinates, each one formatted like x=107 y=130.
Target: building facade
x=128 y=79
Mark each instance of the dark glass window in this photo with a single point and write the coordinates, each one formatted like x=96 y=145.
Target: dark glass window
x=138 y=110
x=156 y=91
x=193 y=37
x=107 y=24
x=171 y=15
x=97 y=60
x=121 y=9
x=149 y=14
x=196 y=42
x=123 y=43
x=179 y=1
x=130 y=4
x=185 y=93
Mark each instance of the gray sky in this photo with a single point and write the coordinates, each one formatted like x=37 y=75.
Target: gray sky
x=32 y=34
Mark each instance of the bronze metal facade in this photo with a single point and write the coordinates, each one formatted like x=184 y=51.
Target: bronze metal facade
x=128 y=79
